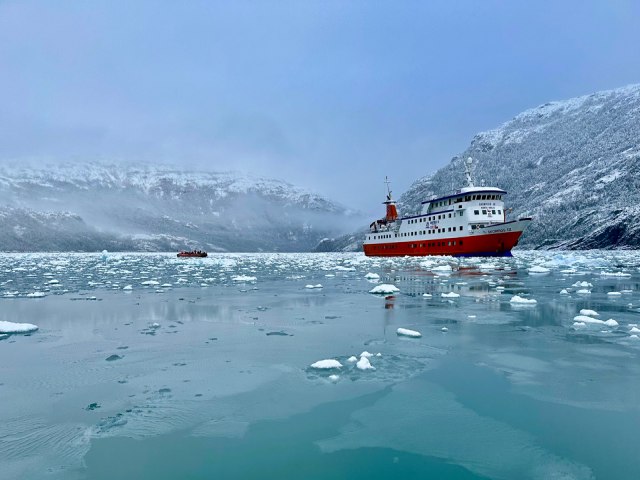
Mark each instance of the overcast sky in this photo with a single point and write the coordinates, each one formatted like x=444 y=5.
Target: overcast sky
x=329 y=95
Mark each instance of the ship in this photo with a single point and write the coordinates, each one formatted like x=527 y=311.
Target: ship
x=192 y=254
x=470 y=222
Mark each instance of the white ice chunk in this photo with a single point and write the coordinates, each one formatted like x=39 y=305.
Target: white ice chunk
x=634 y=330
x=611 y=323
x=372 y=276
x=243 y=278
x=442 y=268
x=334 y=378
x=523 y=301
x=615 y=274
x=352 y=359
x=538 y=269
x=364 y=364
x=564 y=292
x=313 y=286
x=128 y=287
x=366 y=354
x=582 y=284
x=326 y=364
x=583 y=291
x=151 y=282
x=579 y=324
x=426 y=295
x=450 y=295
x=589 y=313
x=36 y=295
x=614 y=294
x=444 y=329
x=408 y=333
x=384 y=288
x=10 y=327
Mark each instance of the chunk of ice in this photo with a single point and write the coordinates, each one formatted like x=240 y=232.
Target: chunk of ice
x=384 y=288
x=372 y=276
x=408 y=333
x=614 y=294
x=352 y=359
x=36 y=295
x=589 y=313
x=244 y=278
x=523 y=301
x=538 y=269
x=313 y=286
x=364 y=364
x=564 y=292
x=326 y=364
x=450 y=295
x=10 y=327
x=366 y=354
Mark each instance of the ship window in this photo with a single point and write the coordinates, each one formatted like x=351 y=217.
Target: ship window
x=493 y=212
x=449 y=215
x=449 y=229
x=460 y=242
x=484 y=197
x=499 y=212
x=460 y=227
x=467 y=198
x=476 y=212
x=484 y=212
x=461 y=213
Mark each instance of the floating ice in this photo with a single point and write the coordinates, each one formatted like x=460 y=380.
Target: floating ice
x=582 y=284
x=615 y=274
x=128 y=287
x=36 y=295
x=384 y=288
x=564 y=292
x=583 y=291
x=313 y=286
x=579 y=324
x=538 y=269
x=634 y=330
x=372 y=276
x=450 y=295
x=150 y=282
x=10 y=327
x=523 y=301
x=442 y=269
x=352 y=359
x=589 y=313
x=408 y=333
x=594 y=321
x=155 y=325
x=611 y=323
x=243 y=278
x=614 y=294
x=364 y=364
x=326 y=364
x=444 y=329
x=427 y=295
x=334 y=378
x=366 y=354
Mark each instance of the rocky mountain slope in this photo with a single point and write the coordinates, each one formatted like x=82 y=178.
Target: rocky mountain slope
x=573 y=165
x=114 y=207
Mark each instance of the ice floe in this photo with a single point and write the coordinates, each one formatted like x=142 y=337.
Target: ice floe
x=327 y=364
x=522 y=301
x=450 y=295
x=589 y=313
x=372 y=276
x=36 y=295
x=10 y=327
x=408 y=333
x=313 y=286
x=384 y=288
x=364 y=364
x=243 y=278
x=537 y=269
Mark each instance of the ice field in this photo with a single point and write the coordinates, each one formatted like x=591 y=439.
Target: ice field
x=320 y=366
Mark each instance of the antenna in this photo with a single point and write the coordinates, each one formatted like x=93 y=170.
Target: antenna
x=386 y=180
x=467 y=172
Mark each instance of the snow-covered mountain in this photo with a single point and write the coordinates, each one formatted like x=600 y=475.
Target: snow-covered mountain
x=116 y=207
x=573 y=165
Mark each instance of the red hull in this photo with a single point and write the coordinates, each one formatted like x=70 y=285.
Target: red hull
x=496 y=244
x=194 y=255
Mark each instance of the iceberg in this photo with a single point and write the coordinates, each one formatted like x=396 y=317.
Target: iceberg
x=326 y=364
x=523 y=301
x=10 y=327
x=384 y=288
x=450 y=295
x=408 y=333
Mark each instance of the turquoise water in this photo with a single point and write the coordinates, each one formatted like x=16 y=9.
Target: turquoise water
x=145 y=366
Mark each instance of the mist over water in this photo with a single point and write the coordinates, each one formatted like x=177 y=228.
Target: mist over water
x=149 y=366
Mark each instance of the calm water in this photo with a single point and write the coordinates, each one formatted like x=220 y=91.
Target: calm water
x=149 y=367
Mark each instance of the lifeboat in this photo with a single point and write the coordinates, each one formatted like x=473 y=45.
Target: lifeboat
x=192 y=253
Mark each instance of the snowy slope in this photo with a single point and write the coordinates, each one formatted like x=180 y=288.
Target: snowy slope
x=573 y=165
x=91 y=207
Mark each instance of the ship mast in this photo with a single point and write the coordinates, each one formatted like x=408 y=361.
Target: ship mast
x=467 y=172
x=392 y=211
